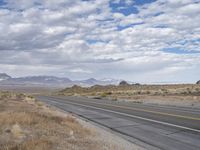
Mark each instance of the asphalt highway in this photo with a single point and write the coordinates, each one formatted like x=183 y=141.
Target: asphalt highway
x=150 y=126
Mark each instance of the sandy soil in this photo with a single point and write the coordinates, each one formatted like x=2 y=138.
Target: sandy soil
x=182 y=101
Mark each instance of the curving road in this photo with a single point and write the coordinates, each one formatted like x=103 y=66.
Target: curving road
x=150 y=126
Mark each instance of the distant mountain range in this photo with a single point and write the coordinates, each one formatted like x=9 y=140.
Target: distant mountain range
x=52 y=81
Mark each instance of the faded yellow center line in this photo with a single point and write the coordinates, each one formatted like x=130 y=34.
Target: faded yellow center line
x=150 y=111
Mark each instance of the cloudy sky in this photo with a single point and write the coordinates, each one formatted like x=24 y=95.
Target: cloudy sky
x=138 y=40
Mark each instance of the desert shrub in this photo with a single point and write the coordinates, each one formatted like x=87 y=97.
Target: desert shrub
x=109 y=93
x=183 y=92
x=105 y=94
x=92 y=94
x=122 y=83
x=148 y=92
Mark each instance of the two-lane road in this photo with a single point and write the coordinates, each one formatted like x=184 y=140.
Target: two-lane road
x=158 y=127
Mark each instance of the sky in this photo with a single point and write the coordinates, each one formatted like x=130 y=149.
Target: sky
x=146 y=41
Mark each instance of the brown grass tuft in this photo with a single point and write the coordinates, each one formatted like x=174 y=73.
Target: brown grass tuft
x=34 y=126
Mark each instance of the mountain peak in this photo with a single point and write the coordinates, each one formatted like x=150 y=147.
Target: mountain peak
x=91 y=79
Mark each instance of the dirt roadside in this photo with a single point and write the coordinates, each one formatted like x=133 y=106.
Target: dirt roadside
x=28 y=124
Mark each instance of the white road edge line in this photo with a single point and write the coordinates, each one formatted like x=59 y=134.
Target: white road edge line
x=132 y=116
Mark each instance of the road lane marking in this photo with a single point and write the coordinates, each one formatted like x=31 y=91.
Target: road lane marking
x=144 y=110
x=150 y=111
x=128 y=115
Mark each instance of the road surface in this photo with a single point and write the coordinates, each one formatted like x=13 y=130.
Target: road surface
x=150 y=126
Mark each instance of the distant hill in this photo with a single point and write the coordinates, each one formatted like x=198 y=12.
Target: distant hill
x=198 y=82
x=90 y=81
x=123 y=83
x=4 y=76
x=42 y=81
x=52 y=81
x=39 y=80
x=93 y=81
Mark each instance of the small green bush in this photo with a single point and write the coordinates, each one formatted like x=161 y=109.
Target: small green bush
x=105 y=94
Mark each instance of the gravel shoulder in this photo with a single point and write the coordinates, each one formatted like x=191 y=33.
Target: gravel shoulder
x=110 y=140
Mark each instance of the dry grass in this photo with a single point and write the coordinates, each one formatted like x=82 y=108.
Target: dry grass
x=176 y=89
x=138 y=93
x=26 y=124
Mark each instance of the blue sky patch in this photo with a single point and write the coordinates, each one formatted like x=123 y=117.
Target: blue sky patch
x=142 y=2
x=94 y=41
x=2 y=3
x=123 y=8
x=128 y=9
x=119 y=28
x=179 y=51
